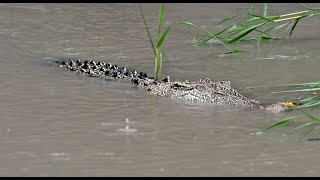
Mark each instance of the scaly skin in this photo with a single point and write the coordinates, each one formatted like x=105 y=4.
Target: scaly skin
x=205 y=90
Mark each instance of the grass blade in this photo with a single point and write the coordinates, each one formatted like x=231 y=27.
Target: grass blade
x=299 y=90
x=310 y=104
x=308 y=99
x=145 y=23
x=160 y=20
x=163 y=36
x=252 y=19
x=294 y=25
x=317 y=120
x=294 y=13
x=238 y=29
x=203 y=41
x=200 y=39
x=252 y=6
x=219 y=33
x=227 y=19
x=215 y=37
x=302 y=126
x=311 y=15
x=233 y=51
x=268 y=18
x=317 y=83
x=244 y=32
x=277 y=27
x=312 y=129
x=282 y=121
x=247 y=31
x=305 y=6
x=161 y=56
x=285 y=32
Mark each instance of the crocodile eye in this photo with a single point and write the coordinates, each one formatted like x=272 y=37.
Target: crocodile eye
x=200 y=88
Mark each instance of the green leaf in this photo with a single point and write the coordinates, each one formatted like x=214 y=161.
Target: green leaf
x=310 y=104
x=294 y=25
x=188 y=23
x=200 y=39
x=252 y=6
x=244 y=32
x=163 y=36
x=311 y=15
x=302 y=126
x=191 y=24
x=268 y=18
x=219 y=33
x=317 y=120
x=252 y=19
x=160 y=20
x=305 y=6
x=277 y=27
x=282 y=121
x=160 y=61
x=282 y=85
x=145 y=23
x=227 y=19
x=312 y=129
x=233 y=51
x=299 y=90
x=238 y=29
x=266 y=37
x=159 y=65
x=285 y=32
x=308 y=99
x=203 y=41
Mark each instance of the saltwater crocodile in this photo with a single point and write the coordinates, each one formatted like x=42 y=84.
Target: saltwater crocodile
x=204 y=90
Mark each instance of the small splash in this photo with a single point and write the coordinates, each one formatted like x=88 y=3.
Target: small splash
x=127 y=129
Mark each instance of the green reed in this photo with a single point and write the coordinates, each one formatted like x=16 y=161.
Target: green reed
x=310 y=99
x=259 y=27
x=262 y=24
x=158 y=54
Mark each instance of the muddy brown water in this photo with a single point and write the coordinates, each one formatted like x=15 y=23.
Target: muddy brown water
x=57 y=123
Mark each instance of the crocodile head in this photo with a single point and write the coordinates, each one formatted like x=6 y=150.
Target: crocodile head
x=205 y=90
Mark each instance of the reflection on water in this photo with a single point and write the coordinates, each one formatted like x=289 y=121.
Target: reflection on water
x=57 y=123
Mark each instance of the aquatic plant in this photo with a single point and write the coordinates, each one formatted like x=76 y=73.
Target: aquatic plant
x=265 y=25
x=158 y=54
x=251 y=22
x=310 y=99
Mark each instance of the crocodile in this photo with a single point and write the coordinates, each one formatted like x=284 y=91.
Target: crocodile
x=204 y=90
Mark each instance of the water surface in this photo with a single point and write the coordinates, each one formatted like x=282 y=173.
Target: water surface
x=57 y=123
